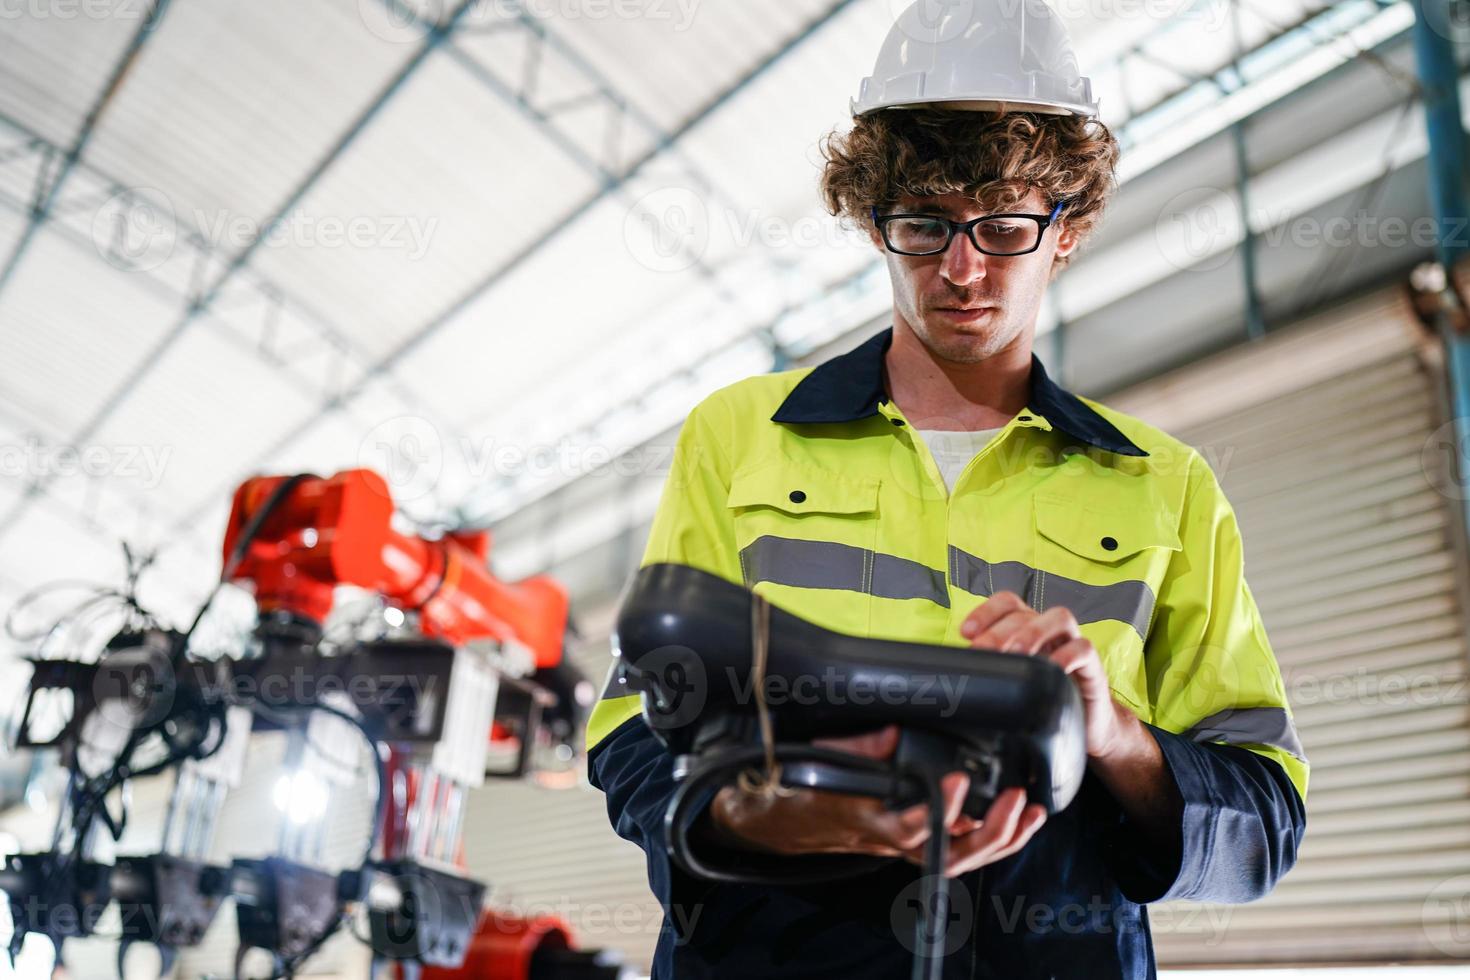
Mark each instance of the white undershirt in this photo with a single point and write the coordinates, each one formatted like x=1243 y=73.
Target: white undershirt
x=954 y=450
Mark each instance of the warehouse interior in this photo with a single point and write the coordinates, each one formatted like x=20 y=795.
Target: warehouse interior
x=495 y=251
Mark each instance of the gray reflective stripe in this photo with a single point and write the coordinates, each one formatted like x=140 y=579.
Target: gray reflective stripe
x=830 y=565
x=901 y=578
x=1131 y=602
x=1250 y=726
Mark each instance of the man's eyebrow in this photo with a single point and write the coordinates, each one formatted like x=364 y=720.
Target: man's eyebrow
x=926 y=208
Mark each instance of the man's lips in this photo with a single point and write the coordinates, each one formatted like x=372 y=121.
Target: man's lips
x=964 y=312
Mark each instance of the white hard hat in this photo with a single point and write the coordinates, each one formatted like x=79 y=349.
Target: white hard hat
x=1006 y=55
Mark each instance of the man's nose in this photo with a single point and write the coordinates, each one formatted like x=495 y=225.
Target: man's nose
x=963 y=262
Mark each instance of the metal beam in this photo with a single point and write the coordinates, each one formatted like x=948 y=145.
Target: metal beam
x=1324 y=28
x=1439 y=81
x=47 y=191
x=1439 y=74
x=544 y=120
x=1255 y=319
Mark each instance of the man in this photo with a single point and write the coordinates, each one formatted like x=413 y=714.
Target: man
x=1059 y=528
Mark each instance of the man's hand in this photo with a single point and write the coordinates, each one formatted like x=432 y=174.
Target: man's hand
x=1005 y=623
x=1120 y=750
x=818 y=822
x=1008 y=826
x=813 y=822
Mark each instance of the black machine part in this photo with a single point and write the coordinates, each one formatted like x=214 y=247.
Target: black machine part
x=400 y=685
x=166 y=900
x=133 y=677
x=57 y=906
x=431 y=918
x=283 y=908
x=721 y=673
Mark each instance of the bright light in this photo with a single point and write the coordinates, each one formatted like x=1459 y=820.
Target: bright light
x=301 y=796
x=393 y=615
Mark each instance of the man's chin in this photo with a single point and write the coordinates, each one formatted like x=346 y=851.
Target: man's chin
x=966 y=343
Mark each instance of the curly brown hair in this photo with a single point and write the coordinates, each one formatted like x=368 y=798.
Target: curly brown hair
x=991 y=157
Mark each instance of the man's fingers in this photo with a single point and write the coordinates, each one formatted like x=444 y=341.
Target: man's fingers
x=1045 y=631
x=1075 y=655
x=955 y=786
x=963 y=825
x=909 y=828
x=992 y=609
x=1008 y=827
x=994 y=635
x=979 y=847
x=1030 y=822
x=872 y=745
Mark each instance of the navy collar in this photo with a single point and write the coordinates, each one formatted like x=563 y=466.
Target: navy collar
x=850 y=387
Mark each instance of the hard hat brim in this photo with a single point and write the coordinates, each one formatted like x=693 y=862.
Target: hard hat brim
x=982 y=105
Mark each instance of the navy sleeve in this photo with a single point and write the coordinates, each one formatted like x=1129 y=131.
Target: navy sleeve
x=635 y=772
x=1241 y=828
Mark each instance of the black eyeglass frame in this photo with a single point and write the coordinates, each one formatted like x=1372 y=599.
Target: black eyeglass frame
x=1044 y=221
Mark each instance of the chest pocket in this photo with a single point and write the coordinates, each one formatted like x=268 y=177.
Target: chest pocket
x=803 y=528
x=1104 y=561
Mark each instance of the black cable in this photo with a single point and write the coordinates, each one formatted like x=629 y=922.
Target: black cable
x=134 y=566
x=841 y=772
x=289 y=966
x=932 y=922
x=90 y=794
x=237 y=554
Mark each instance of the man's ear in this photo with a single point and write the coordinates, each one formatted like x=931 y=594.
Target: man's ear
x=1067 y=239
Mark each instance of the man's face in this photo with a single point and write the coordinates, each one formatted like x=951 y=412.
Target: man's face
x=928 y=290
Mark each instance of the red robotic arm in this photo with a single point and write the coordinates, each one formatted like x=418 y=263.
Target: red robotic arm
x=338 y=531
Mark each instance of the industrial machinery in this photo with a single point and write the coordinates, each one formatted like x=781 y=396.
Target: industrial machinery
x=706 y=655
x=472 y=671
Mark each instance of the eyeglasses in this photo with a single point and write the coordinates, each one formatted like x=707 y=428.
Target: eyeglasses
x=992 y=234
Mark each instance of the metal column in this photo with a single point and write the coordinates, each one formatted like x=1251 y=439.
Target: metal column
x=1439 y=74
